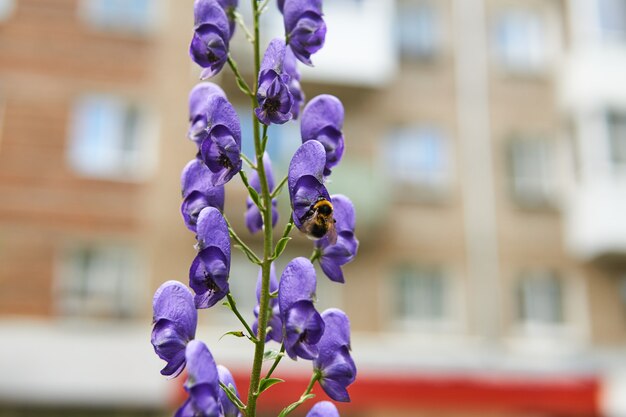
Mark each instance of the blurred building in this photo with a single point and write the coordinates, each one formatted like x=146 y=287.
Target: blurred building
x=486 y=155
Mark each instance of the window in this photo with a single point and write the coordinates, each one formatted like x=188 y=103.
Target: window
x=612 y=19
x=418 y=30
x=101 y=281
x=530 y=175
x=540 y=298
x=420 y=295
x=520 y=41
x=130 y=16
x=418 y=157
x=111 y=138
x=616 y=126
x=6 y=9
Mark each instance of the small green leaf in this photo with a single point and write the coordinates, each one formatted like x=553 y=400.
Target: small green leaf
x=293 y=406
x=268 y=382
x=230 y=393
x=236 y=333
x=255 y=197
x=270 y=355
x=280 y=246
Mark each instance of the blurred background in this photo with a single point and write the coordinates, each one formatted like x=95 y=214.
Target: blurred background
x=485 y=152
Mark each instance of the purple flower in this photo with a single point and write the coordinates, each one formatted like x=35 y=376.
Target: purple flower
x=304 y=27
x=275 y=100
x=254 y=220
x=274 y=321
x=209 y=45
x=175 y=319
x=208 y=275
x=280 y=4
x=198 y=192
x=306 y=184
x=344 y=250
x=202 y=383
x=221 y=148
x=334 y=363
x=230 y=8
x=323 y=409
x=226 y=378
x=322 y=120
x=302 y=324
x=198 y=100
x=290 y=66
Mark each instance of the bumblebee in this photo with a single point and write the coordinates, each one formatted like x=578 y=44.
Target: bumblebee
x=318 y=221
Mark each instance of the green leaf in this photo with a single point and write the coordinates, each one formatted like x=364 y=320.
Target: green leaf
x=293 y=406
x=268 y=382
x=280 y=246
x=270 y=355
x=236 y=333
x=248 y=254
x=255 y=197
x=230 y=393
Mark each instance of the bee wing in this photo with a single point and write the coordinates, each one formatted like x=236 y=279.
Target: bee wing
x=308 y=224
x=331 y=234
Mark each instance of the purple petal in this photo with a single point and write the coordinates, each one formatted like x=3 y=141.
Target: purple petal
x=208 y=277
x=306 y=192
x=303 y=328
x=202 y=380
x=343 y=212
x=293 y=9
x=322 y=111
x=211 y=12
x=274 y=56
x=175 y=319
x=201 y=368
x=273 y=283
x=226 y=378
x=221 y=112
x=174 y=302
x=197 y=109
x=309 y=159
x=213 y=231
x=307 y=36
x=297 y=283
x=332 y=270
x=334 y=361
x=221 y=154
x=280 y=4
x=195 y=177
x=323 y=409
x=230 y=7
x=209 y=49
x=274 y=320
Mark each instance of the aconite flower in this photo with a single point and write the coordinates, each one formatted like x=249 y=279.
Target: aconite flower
x=198 y=192
x=322 y=120
x=198 y=101
x=306 y=181
x=208 y=275
x=175 y=319
x=290 y=66
x=302 y=324
x=334 y=256
x=273 y=94
x=209 y=45
x=304 y=27
x=202 y=383
x=220 y=150
x=334 y=363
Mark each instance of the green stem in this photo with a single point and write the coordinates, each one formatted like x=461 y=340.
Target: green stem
x=233 y=307
x=242 y=25
x=242 y=245
x=317 y=253
x=241 y=82
x=255 y=374
x=277 y=190
x=248 y=162
x=264 y=140
x=276 y=361
x=305 y=395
